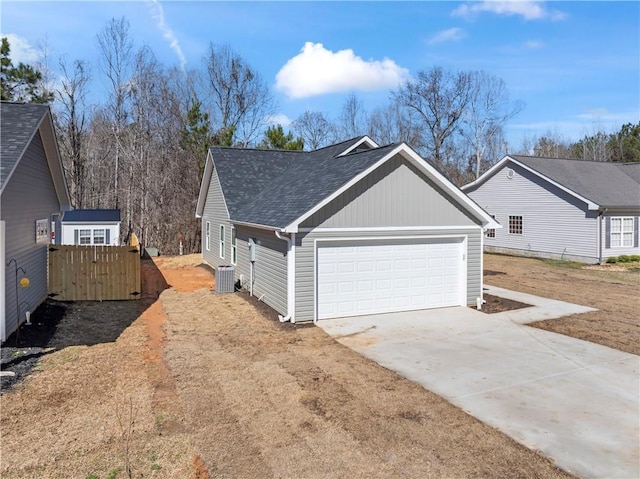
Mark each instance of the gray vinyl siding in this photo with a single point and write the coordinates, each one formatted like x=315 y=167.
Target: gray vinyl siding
x=608 y=251
x=306 y=253
x=393 y=195
x=270 y=267
x=29 y=196
x=555 y=223
x=215 y=212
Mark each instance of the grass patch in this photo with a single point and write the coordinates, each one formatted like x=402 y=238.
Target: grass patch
x=563 y=264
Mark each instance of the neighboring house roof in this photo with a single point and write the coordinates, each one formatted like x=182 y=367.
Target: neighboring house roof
x=600 y=184
x=19 y=123
x=279 y=189
x=91 y=216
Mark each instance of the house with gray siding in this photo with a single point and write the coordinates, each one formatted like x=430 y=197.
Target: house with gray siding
x=33 y=197
x=346 y=230
x=584 y=211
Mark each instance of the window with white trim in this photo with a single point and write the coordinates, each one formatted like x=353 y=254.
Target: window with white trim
x=491 y=232
x=207 y=236
x=515 y=225
x=98 y=237
x=234 y=251
x=222 y=241
x=621 y=235
x=84 y=237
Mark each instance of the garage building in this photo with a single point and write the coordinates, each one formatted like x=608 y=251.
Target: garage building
x=350 y=229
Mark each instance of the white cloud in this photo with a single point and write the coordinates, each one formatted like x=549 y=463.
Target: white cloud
x=278 y=119
x=316 y=71
x=21 y=50
x=528 y=9
x=450 y=35
x=533 y=45
x=157 y=12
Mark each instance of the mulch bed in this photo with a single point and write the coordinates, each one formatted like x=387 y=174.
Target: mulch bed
x=24 y=348
x=496 y=304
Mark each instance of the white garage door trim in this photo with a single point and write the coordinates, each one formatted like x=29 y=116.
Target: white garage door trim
x=455 y=246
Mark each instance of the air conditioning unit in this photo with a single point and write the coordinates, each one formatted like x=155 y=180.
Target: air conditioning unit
x=225 y=279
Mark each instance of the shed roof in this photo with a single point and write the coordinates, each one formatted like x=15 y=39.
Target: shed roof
x=91 y=216
x=18 y=124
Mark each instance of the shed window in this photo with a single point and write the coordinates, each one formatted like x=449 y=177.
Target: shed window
x=222 y=241
x=84 y=237
x=622 y=232
x=515 y=225
x=98 y=237
x=234 y=252
x=207 y=236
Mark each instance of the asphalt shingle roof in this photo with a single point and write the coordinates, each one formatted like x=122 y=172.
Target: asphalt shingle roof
x=91 y=216
x=604 y=183
x=18 y=122
x=273 y=187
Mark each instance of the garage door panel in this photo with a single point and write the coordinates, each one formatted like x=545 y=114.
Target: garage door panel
x=383 y=278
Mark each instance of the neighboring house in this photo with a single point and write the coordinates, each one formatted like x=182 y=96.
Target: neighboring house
x=584 y=211
x=350 y=229
x=91 y=227
x=34 y=195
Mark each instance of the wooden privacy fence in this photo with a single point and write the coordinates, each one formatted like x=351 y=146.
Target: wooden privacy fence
x=94 y=273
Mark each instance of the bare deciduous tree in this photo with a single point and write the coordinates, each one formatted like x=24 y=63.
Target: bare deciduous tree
x=487 y=111
x=71 y=119
x=394 y=124
x=240 y=99
x=352 y=121
x=439 y=98
x=115 y=47
x=314 y=129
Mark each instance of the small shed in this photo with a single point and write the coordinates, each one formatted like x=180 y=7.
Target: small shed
x=91 y=227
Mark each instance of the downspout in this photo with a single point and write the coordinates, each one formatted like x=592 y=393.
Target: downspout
x=600 y=218
x=291 y=276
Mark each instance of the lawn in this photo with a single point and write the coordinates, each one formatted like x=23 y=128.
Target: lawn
x=188 y=383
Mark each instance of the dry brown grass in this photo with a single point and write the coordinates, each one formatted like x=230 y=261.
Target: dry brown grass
x=615 y=292
x=217 y=388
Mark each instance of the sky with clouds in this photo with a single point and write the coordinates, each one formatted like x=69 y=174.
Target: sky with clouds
x=574 y=64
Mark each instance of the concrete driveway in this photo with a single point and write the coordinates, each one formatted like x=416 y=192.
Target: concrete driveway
x=576 y=402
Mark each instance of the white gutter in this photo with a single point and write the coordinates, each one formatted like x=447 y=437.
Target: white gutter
x=600 y=232
x=291 y=276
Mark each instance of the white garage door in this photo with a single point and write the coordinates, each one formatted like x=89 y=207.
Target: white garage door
x=371 y=278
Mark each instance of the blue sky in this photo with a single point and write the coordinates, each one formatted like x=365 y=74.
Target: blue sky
x=576 y=65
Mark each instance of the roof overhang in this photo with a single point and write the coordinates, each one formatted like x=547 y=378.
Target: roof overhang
x=409 y=154
x=54 y=160
x=209 y=171
x=499 y=165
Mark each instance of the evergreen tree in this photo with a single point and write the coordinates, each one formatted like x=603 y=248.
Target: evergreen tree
x=22 y=83
x=275 y=139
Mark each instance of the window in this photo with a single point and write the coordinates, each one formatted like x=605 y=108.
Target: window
x=515 y=225
x=98 y=237
x=222 y=241
x=84 y=237
x=234 y=252
x=621 y=232
x=207 y=236
x=491 y=232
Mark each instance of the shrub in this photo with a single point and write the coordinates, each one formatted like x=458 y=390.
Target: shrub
x=612 y=260
x=634 y=257
x=623 y=258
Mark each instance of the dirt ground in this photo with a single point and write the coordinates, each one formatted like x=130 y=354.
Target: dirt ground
x=613 y=289
x=201 y=385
